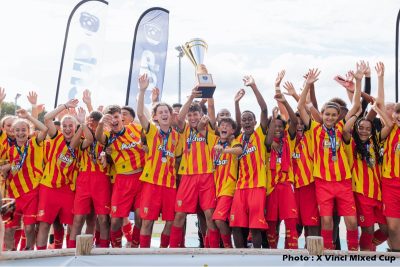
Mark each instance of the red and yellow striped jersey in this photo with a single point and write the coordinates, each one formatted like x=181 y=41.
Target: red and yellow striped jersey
x=4 y=145
x=88 y=158
x=302 y=161
x=325 y=167
x=252 y=162
x=366 y=180
x=226 y=171
x=25 y=176
x=127 y=150
x=61 y=163
x=196 y=156
x=278 y=175
x=159 y=168
x=391 y=154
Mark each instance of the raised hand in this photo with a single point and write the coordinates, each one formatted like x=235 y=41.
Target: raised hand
x=218 y=148
x=2 y=94
x=81 y=115
x=72 y=103
x=239 y=95
x=312 y=76
x=155 y=93
x=22 y=113
x=107 y=120
x=288 y=86
x=100 y=108
x=32 y=97
x=367 y=71
x=380 y=69
x=279 y=78
x=248 y=80
x=196 y=93
x=280 y=98
x=204 y=120
x=275 y=112
x=87 y=97
x=360 y=68
x=143 y=82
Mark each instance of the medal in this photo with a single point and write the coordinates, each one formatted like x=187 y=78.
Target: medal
x=164 y=159
x=334 y=158
x=371 y=162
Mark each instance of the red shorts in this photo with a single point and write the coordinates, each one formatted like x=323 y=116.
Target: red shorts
x=330 y=192
x=55 y=202
x=193 y=190
x=221 y=212
x=391 y=197
x=281 y=203
x=156 y=199
x=307 y=206
x=126 y=194
x=369 y=211
x=248 y=208
x=26 y=207
x=92 y=189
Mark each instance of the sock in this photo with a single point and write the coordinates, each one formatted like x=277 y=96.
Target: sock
x=327 y=235
x=352 y=240
x=58 y=238
x=23 y=241
x=17 y=238
x=127 y=231
x=104 y=243
x=291 y=238
x=41 y=247
x=379 y=237
x=135 y=237
x=213 y=238
x=272 y=235
x=164 y=243
x=183 y=238
x=226 y=239
x=175 y=238
x=206 y=241
x=97 y=238
x=145 y=241
x=366 y=241
x=71 y=243
x=116 y=238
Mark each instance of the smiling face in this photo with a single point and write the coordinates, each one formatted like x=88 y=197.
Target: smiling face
x=7 y=126
x=364 y=130
x=279 y=128
x=248 y=122
x=162 y=114
x=330 y=117
x=126 y=117
x=225 y=130
x=116 y=122
x=193 y=118
x=299 y=127
x=21 y=131
x=223 y=113
x=396 y=114
x=68 y=127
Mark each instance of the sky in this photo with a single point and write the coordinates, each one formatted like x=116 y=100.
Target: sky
x=257 y=37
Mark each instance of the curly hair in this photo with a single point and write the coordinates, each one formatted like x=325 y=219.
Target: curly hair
x=361 y=150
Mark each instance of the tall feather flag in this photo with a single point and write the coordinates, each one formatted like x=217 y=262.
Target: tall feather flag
x=149 y=52
x=82 y=50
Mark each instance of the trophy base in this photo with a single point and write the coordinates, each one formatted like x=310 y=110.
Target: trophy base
x=206 y=91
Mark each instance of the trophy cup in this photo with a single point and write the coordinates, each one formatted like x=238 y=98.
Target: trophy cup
x=195 y=50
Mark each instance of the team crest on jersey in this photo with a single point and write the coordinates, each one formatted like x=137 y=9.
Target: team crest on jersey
x=179 y=202
x=40 y=213
x=128 y=146
x=146 y=210
x=362 y=219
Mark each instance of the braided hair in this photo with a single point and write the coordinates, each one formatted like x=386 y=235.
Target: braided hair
x=361 y=150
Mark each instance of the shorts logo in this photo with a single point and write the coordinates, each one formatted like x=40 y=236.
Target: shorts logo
x=179 y=202
x=40 y=213
x=232 y=217
x=294 y=211
x=146 y=210
x=362 y=219
x=114 y=209
x=314 y=218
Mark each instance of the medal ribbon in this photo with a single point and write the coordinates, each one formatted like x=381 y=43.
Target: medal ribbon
x=245 y=143
x=22 y=154
x=165 y=136
x=114 y=137
x=217 y=156
x=332 y=138
x=192 y=135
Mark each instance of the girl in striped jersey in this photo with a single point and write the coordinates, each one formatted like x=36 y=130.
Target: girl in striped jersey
x=24 y=172
x=331 y=168
x=56 y=196
x=391 y=179
x=159 y=174
x=281 y=203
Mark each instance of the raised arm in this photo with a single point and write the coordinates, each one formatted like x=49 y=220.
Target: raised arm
x=290 y=90
x=386 y=120
x=271 y=129
x=99 y=135
x=185 y=108
x=2 y=96
x=211 y=112
x=358 y=75
x=249 y=81
x=367 y=87
x=143 y=84
x=312 y=77
x=292 y=116
x=87 y=99
x=278 y=80
x=32 y=98
x=238 y=115
x=88 y=140
x=380 y=100
x=48 y=118
x=22 y=113
x=348 y=126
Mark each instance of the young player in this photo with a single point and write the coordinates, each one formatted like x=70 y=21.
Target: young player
x=25 y=171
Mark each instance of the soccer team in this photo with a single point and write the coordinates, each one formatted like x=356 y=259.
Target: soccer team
x=242 y=177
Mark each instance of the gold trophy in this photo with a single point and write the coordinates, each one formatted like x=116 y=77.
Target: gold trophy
x=195 y=50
